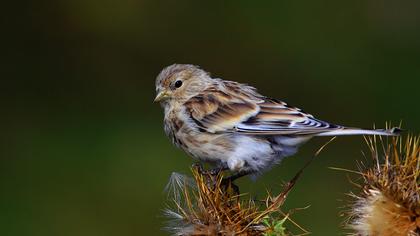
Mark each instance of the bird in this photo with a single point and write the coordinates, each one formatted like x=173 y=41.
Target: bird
x=232 y=126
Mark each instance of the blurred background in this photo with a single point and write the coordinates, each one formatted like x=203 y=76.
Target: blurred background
x=83 y=150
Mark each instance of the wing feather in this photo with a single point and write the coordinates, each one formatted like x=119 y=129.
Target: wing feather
x=214 y=115
x=230 y=109
x=278 y=118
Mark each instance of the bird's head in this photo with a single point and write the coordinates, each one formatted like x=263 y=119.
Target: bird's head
x=179 y=82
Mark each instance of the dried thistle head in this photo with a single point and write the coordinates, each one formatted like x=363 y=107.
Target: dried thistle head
x=203 y=205
x=389 y=202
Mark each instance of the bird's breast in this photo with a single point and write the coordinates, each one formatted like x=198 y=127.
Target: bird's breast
x=199 y=144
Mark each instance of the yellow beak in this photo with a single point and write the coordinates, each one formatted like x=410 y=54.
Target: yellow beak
x=163 y=95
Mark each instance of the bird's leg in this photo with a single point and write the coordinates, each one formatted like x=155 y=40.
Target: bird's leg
x=228 y=181
x=212 y=172
x=209 y=178
x=198 y=167
x=217 y=170
x=237 y=176
x=209 y=175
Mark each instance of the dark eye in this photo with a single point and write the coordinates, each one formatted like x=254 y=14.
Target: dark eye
x=178 y=83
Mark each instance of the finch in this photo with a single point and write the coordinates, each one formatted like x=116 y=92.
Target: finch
x=231 y=125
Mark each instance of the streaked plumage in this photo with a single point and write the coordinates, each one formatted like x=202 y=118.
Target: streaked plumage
x=231 y=124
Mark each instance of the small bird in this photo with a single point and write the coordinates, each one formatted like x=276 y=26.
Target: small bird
x=231 y=125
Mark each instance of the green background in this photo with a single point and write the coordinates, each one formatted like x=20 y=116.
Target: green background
x=83 y=150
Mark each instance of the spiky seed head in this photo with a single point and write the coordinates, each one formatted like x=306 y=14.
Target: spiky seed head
x=389 y=202
x=205 y=206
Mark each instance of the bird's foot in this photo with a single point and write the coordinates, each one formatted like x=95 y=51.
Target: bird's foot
x=199 y=167
x=238 y=175
x=212 y=172
x=228 y=184
x=216 y=171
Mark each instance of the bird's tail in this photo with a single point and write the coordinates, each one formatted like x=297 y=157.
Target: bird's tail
x=355 y=131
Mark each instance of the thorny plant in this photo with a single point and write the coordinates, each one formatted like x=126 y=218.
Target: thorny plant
x=389 y=199
x=204 y=205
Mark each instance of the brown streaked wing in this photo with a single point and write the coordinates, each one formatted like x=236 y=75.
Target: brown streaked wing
x=219 y=115
x=278 y=118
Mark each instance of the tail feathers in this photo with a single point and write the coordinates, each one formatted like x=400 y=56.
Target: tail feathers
x=355 y=131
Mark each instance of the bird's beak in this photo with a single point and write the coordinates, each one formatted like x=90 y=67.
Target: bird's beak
x=163 y=95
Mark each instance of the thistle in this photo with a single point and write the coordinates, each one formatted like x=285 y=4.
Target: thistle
x=206 y=205
x=389 y=202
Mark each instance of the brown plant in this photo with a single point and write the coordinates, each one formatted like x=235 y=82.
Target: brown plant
x=389 y=202
x=207 y=205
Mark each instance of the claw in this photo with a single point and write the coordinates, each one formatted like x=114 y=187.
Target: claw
x=215 y=171
x=198 y=167
x=212 y=172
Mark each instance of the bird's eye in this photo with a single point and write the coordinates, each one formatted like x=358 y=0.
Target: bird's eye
x=178 y=83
